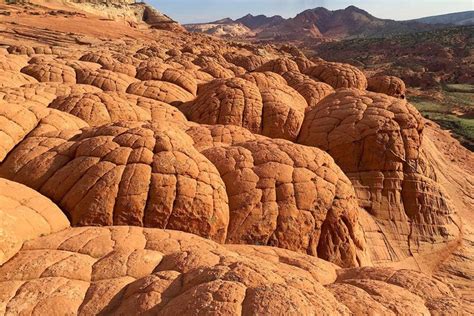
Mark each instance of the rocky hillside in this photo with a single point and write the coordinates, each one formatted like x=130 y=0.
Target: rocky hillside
x=147 y=171
x=125 y=10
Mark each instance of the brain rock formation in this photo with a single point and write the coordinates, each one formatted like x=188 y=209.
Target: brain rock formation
x=25 y=215
x=376 y=140
x=135 y=173
x=161 y=91
x=388 y=85
x=249 y=63
x=297 y=187
x=290 y=196
x=132 y=270
x=338 y=75
x=261 y=102
x=313 y=91
x=12 y=62
x=12 y=79
x=209 y=136
x=19 y=121
x=167 y=73
x=105 y=79
x=51 y=72
x=99 y=108
x=279 y=66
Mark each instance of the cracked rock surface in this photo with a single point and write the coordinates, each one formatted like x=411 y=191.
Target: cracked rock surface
x=154 y=172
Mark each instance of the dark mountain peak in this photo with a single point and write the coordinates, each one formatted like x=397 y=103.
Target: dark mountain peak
x=313 y=16
x=223 y=21
x=315 y=11
x=318 y=9
x=259 y=21
x=353 y=8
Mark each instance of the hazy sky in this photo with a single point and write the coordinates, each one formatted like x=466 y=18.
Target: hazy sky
x=190 y=11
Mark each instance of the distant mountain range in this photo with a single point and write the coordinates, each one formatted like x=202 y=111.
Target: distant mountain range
x=459 y=18
x=321 y=23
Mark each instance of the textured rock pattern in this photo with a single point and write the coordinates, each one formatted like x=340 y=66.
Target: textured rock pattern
x=261 y=102
x=100 y=108
x=284 y=162
x=51 y=72
x=126 y=270
x=289 y=196
x=125 y=173
x=376 y=140
x=338 y=75
x=388 y=85
x=25 y=215
x=313 y=91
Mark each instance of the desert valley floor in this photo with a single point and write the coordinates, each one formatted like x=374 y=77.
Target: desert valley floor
x=147 y=170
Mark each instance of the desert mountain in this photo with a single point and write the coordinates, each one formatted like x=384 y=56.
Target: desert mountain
x=459 y=18
x=260 y=21
x=320 y=23
x=154 y=172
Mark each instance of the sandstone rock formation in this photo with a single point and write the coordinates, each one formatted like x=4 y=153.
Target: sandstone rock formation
x=313 y=91
x=160 y=91
x=289 y=188
x=377 y=142
x=261 y=102
x=105 y=79
x=389 y=85
x=123 y=270
x=279 y=66
x=167 y=73
x=19 y=121
x=125 y=173
x=338 y=75
x=25 y=215
x=289 y=196
x=51 y=72
x=100 y=108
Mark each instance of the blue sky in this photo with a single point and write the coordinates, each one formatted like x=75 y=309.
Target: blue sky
x=191 y=11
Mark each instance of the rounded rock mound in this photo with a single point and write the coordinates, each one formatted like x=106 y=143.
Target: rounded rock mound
x=339 y=75
x=100 y=108
x=105 y=79
x=279 y=66
x=169 y=74
x=13 y=79
x=261 y=102
x=249 y=63
x=130 y=173
x=389 y=85
x=26 y=118
x=209 y=136
x=377 y=141
x=231 y=102
x=161 y=91
x=51 y=72
x=289 y=196
x=313 y=91
x=25 y=214
x=133 y=270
